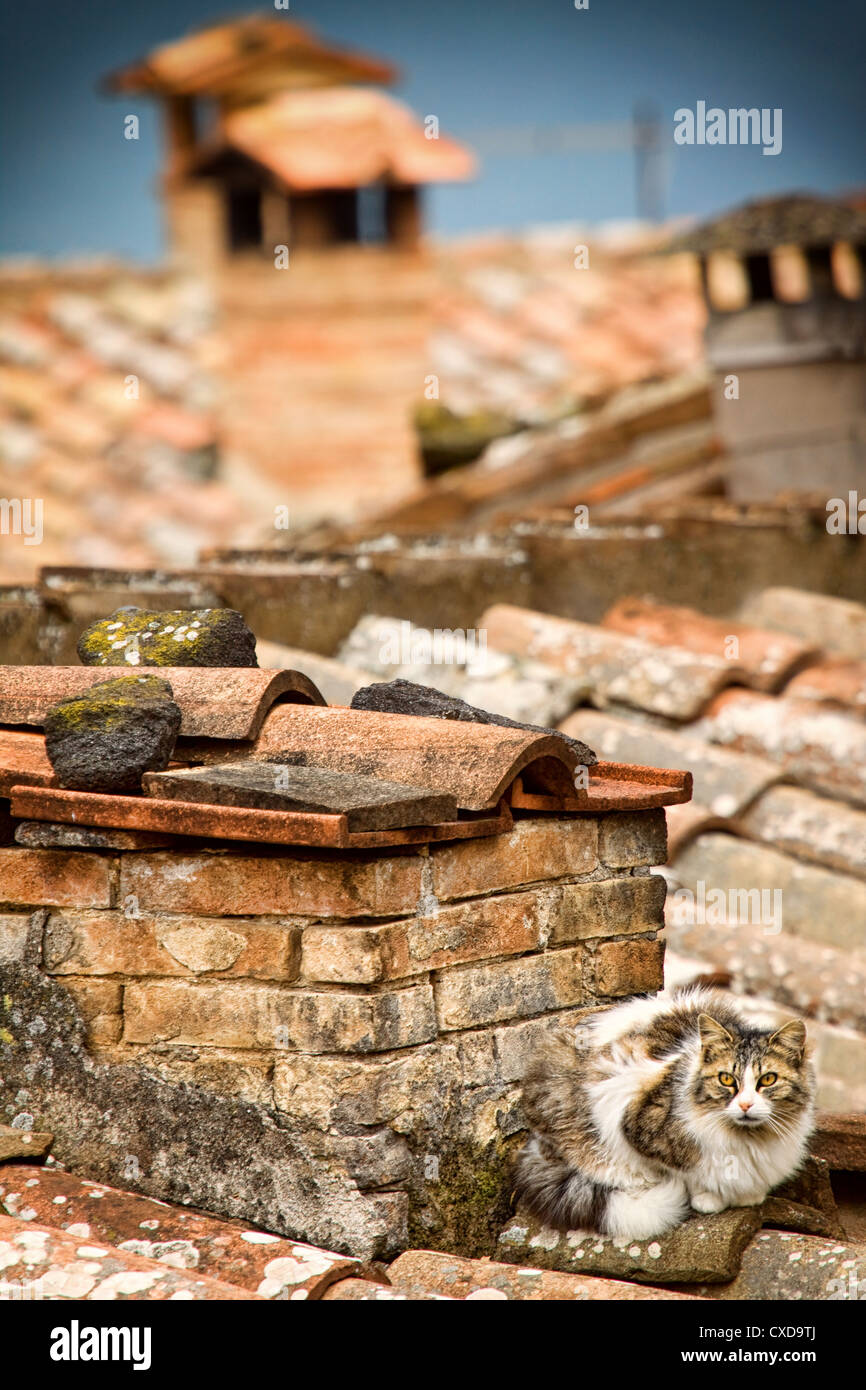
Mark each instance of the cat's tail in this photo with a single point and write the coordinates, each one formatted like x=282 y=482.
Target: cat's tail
x=568 y=1200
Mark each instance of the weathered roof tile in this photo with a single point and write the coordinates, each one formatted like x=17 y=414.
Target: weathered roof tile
x=724 y=782
x=487 y=1280
x=809 y=827
x=216 y=702
x=160 y=1235
x=766 y=658
x=815 y=903
x=59 y=1266
x=812 y=744
x=838 y=682
x=662 y=680
x=837 y=624
x=475 y=762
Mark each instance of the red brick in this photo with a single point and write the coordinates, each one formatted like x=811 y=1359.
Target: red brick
x=505 y=925
x=533 y=852
x=54 y=878
x=238 y=1015
x=110 y=943
x=241 y=885
x=629 y=967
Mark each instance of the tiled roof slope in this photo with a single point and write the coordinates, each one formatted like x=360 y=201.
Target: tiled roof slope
x=107 y=416
x=761 y=225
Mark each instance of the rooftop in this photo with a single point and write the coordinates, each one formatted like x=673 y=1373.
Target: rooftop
x=221 y=59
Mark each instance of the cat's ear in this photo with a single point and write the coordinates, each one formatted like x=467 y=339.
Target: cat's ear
x=790 y=1038
x=712 y=1033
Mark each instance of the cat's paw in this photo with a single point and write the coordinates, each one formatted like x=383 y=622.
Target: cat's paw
x=707 y=1202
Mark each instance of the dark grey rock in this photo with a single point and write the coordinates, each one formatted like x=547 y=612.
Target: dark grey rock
x=278 y=785
x=185 y=637
x=39 y=834
x=405 y=697
x=105 y=739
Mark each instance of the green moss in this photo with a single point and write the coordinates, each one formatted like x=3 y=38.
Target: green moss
x=105 y=706
x=151 y=636
x=466 y=1209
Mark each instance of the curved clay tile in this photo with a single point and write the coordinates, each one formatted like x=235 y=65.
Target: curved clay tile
x=477 y=763
x=670 y=681
x=218 y=702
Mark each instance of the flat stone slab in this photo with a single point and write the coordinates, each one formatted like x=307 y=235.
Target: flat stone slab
x=781 y=1267
x=704 y=1249
x=433 y=1274
x=785 y=1215
x=24 y=1144
x=367 y=802
x=183 y=637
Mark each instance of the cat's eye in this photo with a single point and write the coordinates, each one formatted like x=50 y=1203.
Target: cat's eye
x=768 y=1079
x=726 y=1078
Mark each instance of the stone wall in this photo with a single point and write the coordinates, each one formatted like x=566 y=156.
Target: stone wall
x=328 y=1043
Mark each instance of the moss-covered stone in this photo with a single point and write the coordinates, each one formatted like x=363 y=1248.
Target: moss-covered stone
x=448 y=440
x=107 y=738
x=185 y=637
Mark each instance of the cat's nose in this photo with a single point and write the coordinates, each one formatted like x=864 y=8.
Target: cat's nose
x=745 y=1105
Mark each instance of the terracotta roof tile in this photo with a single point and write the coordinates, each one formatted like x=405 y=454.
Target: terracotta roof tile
x=814 y=979
x=839 y=682
x=23 y=760
x=483 y=1280
x=766 y=658
x=64 y=1266
x=809 y=827
x=724 y=782
x=162 y=1235
x=475 y=762
x=662 y=680
x=811 y=744
x=815 y=903
x=342 y=137
x=836 y=624
x=215 y=58
x=764 y=223
x=216 y=702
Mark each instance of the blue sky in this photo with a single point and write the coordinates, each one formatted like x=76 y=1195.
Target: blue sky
x=70 y=183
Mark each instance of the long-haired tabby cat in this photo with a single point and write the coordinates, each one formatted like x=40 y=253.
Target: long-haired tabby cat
x=661 y=1105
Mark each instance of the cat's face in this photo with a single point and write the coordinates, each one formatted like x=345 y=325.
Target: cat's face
x=754 y=1079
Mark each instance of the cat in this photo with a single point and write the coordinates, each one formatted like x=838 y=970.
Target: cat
x=660 y=1107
